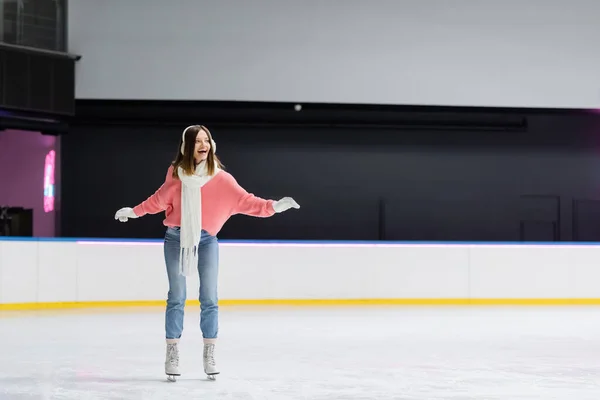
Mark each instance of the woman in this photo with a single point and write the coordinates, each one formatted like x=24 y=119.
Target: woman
x=198 y=197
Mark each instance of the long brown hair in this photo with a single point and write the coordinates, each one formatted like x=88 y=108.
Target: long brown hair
x=186 y=160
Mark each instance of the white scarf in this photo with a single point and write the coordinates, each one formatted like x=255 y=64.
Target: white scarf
x=191 y=216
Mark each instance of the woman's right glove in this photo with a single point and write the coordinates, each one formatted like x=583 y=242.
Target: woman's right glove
x=125 y=213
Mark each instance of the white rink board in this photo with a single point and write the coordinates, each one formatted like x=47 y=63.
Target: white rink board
x=49 y=271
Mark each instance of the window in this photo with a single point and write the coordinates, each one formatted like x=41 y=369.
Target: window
x=38 y=24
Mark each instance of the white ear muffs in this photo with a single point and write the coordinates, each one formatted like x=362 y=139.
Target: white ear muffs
x=183 y=139
x=213 y=144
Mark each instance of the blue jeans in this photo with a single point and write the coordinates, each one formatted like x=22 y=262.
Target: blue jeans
x=208 y=271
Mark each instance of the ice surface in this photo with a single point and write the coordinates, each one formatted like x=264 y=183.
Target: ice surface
x=315 y=353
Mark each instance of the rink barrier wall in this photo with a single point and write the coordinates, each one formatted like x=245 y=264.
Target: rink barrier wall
x=57 y=273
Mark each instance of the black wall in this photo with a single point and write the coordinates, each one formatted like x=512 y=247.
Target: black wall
x=366 y=173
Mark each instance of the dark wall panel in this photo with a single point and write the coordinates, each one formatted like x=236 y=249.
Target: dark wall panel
x=36 y=81
x=355 y=183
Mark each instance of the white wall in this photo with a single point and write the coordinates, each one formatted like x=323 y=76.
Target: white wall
x=66 y=271
x=534 y=53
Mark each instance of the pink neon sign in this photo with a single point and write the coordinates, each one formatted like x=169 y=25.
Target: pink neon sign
x=49 y=181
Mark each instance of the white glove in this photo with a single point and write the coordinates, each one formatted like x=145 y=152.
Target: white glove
x=125 y=213
x=285 y=204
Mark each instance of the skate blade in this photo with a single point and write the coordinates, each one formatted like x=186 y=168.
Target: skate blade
x=212 y=377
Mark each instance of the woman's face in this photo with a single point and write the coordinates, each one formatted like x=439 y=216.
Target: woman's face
x=202 y=146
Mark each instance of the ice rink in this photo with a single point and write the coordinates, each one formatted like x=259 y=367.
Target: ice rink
x=286 y=353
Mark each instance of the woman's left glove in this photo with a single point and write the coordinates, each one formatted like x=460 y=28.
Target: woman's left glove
x=285 y=204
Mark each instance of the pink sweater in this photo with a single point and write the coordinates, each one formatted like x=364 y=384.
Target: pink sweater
x=222 y=197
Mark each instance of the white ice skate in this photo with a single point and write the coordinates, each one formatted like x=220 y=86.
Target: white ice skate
x=210 y=366
x=172 y=362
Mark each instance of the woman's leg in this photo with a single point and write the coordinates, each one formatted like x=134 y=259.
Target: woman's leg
x=175 y=301
x=208 y=272
x=177 y=286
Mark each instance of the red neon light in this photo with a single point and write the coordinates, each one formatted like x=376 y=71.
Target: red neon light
x=49 y=181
